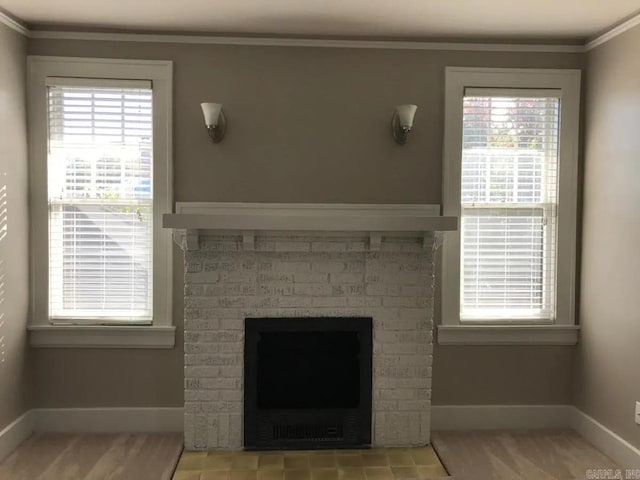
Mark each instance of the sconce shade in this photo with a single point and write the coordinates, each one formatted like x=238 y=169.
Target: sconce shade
x=211 y=113
x=406 y=114
x=402 y=122
x=215 y=121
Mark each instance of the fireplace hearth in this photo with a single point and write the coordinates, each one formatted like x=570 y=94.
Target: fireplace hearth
x=308 y=382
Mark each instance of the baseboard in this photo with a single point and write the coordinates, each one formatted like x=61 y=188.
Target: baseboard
x=15 y=433
x=108 y=420
x=608 y=442
x=497 y=417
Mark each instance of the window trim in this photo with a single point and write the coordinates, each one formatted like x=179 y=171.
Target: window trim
x=161 y=332
x=563 y=331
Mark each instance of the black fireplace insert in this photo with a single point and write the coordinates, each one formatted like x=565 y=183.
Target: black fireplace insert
x=307 y=382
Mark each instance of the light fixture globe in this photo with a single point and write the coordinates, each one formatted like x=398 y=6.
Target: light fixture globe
x=402 y=122
x=214 y=120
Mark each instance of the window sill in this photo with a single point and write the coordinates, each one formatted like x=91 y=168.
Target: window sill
x=508 y=334
x=100 y=336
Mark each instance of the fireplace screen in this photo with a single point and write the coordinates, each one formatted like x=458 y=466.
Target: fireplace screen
x=307 y=382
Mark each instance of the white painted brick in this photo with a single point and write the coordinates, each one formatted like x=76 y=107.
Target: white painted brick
x=396 y=394
x=202 y=277
x=201 y=324
x=329 y=301
x=307 y=277
x=348 y=290
x=235 y=431
x=232 y=323
x=329 y=267
x=201 y=395
x=284 y=266
x=353 y=246
x=294 y=302
x=400 y=301
x=200 y=371
x=310 y=277
x=312 y=289
x=223 y=430
x=213 y=432
x=191 y=347
x=275 y=277
x=292 y=247
x=372 y=302
x=346 y=277
x=230 y=395
x=276 y=290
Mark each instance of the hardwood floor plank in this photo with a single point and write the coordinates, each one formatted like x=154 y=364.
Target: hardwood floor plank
x=94 y=457
x=518 y=455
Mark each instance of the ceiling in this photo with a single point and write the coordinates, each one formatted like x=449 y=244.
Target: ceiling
x=555 y=20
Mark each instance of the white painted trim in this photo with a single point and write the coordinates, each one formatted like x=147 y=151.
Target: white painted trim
x=282 y=209
x=568 y=82
x=109 y=420
x=270 y=217
x=613 y=32
x=305 y=42
x=15 y=433
x=14 y=24
x=508 y=334
x=320 y=43
x=160 y=72
x=608 y=442
x=497 y=417
x=102 y=336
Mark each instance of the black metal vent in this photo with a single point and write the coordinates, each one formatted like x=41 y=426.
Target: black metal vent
x=307 y=432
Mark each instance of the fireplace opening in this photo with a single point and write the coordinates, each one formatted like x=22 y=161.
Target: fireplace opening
x=307 y=382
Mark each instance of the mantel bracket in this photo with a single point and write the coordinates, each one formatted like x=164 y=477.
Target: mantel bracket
x=249 y=240
x=192 y=239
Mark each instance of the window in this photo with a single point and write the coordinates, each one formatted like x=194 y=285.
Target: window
x=510 y=176
x=100 y=202
x=100 y=183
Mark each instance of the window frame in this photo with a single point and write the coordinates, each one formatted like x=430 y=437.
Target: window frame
x=453 y=330
x=161 y=332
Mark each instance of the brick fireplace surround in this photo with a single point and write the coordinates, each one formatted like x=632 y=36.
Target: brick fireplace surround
x=337 y=274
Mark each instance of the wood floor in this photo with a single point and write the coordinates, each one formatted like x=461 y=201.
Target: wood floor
x=94 y=457
x=518 y=455
x=496 y=455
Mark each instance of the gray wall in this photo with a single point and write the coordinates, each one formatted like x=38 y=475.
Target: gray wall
x=608 y=358
x=14 y=232
x=305 y=125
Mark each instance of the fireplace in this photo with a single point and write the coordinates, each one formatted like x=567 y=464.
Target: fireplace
x=264 y=283
x=307 y=382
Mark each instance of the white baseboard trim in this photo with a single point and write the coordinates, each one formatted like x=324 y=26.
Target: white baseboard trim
x=608 y=442
x=109 y=420
x=15 y=433
x=497 y=417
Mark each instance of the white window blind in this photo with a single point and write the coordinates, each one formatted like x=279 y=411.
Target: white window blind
x=509 y=205
x=100 y=201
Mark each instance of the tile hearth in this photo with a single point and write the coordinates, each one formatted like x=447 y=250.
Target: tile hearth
x=375 y=464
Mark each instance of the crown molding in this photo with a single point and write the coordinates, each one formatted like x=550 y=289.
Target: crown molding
x=613 y=32
x=14 y=24
x=303 y=42
x=321 y=43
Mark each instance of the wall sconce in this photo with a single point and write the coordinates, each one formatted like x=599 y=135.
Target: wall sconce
x=215 y=120
x=402 y=122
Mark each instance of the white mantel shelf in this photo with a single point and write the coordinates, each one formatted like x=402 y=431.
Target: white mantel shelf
x=249 y=219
